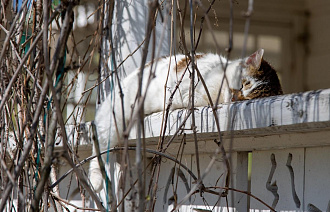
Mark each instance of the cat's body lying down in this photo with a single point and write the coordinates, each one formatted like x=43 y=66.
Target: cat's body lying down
x=258 y=79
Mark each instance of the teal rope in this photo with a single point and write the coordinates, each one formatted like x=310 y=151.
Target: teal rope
x=109 y=136
x=58 y=78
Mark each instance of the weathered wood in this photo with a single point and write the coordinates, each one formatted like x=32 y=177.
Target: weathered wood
x=270 y=123
x=297 y=118
x=261 y=167
x=294 y=124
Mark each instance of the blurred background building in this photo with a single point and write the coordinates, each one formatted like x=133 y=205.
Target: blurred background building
x=295 y=35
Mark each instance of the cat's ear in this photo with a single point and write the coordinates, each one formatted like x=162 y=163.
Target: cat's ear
x=255 y=59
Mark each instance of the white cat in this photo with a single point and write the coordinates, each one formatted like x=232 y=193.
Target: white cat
x=210 y=68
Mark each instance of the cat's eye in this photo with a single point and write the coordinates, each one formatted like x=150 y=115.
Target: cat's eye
x=247 y=83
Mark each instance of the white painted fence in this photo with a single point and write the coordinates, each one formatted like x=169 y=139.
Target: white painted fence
x=289 y=139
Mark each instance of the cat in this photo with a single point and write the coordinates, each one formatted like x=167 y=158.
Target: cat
x=260 y=82
x=248 y=78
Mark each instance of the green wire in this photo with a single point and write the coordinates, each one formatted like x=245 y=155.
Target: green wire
x=109 y=136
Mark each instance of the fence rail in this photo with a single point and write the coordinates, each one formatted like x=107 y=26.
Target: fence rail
x=289 y=139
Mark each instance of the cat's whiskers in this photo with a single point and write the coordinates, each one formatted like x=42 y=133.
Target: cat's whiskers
x=254 y=84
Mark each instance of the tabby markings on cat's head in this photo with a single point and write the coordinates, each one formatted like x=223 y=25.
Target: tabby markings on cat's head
x=259 y=79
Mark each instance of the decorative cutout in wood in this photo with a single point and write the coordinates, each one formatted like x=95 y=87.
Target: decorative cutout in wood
x=294 y=194
x=171 y=181
x=272 y=187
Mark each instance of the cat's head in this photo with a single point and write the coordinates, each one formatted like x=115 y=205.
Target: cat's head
x=259 y=79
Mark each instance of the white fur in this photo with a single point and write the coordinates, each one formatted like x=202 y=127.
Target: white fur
x=211 y=69
x=254 y=84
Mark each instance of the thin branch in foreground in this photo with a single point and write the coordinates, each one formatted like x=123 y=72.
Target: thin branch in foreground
x=102 y=167
x=56 y=197
x=56 y=64
x=121 y=149
x=207 y=189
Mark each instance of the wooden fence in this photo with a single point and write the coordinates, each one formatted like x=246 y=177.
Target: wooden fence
x=288 y=137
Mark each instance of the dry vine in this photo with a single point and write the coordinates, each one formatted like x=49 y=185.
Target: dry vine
x=39 y=52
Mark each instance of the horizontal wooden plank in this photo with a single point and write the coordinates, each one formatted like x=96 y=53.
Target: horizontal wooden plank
x=291 y=109
x=293 y=120
x=295 y=136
